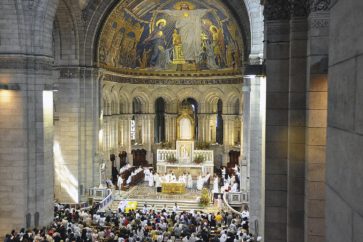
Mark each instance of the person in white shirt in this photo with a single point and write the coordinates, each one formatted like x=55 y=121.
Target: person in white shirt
x=223 y=237
x=175 y=208
x=245 y=213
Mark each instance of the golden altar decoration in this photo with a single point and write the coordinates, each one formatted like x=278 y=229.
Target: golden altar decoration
x=173 y=188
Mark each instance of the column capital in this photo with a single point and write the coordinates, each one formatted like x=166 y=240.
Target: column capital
x=319 y=5
x=276 y=10
x=299 y=8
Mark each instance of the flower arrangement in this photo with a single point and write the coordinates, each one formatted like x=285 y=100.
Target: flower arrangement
x=204 y=198
x=198 y=159
x=171 y=159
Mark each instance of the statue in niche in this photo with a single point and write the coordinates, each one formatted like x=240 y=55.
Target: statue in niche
x=185 y=127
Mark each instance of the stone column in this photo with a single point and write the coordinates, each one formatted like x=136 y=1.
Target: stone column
x=227 y=127
x=126 y=129
x=170 y=128
x=296 y=121
x=202 y=128
x=148 y=134
x=26 y=114
x=316 y=120
x=253 y=148
x=344 y=150
x=277 y=39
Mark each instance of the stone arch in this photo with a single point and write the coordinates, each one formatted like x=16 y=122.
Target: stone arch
x=66 y=35
x=230 y=103
x=144 y=100
x=106 y=99
x=189 y=92
x=210 y=101
x=166 y=94
x=96 y=13
x=124 y=102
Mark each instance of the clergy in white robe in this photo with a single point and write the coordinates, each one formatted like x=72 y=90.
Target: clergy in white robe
x=182 y=179
x=172 y=177
x=147 y=174
x=234 y=187
x=200 y=183
x=190 y=181
x=128 y=181
x=151 y=180
x=215 y=185
x=119 y=182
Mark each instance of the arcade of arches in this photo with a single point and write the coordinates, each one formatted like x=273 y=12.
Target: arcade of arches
x=274 y=86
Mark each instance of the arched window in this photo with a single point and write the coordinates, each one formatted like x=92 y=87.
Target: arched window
x=159 y=120
x=219 y=125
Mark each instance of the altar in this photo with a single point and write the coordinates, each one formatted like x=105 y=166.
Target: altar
x=173 y=187
x=183 y=165
x=185 y=159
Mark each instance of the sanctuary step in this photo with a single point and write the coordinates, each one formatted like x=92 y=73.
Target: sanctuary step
x=159 y=204
x=143 y=194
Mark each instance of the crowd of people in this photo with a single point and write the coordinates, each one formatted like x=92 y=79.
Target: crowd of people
x=147 y=224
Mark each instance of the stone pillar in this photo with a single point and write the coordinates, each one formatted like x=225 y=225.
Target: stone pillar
x=344 y=163
x=26 y=114
x=202 y=128
x=126 y=139
x=277 y=38
x=77 y=131
x=227 y=129
x=316 y=120
x=253 y=148
x=149 y=124
x=296 y=122
x=170 y=128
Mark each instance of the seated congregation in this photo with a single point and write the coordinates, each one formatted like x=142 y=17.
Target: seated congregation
x=148 y=224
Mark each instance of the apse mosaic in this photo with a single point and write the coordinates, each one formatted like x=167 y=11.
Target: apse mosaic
x=170 y=35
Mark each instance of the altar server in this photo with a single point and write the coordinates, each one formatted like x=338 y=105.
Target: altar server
x=190 y=181
x=119 y=182
x=200 y=183
x=215 y=184
x=151 y=180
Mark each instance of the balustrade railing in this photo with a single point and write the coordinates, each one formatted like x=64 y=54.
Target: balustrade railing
x=164 y=155
x=106 y=201
x=207 y=154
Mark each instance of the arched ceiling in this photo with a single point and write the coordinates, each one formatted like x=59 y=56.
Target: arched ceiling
x=171 y=36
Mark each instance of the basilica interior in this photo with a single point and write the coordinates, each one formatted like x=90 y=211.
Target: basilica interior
x=266 y=89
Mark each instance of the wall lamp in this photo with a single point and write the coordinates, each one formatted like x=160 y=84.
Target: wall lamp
x=10 y=86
